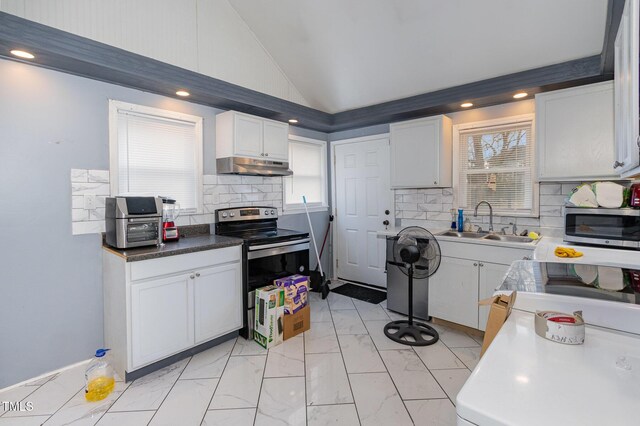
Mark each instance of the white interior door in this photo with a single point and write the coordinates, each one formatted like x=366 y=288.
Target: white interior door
x=363 y=194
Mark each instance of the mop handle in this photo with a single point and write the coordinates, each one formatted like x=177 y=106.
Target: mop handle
x=313 y=237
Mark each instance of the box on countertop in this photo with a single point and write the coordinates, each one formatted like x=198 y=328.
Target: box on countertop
x=297 y=323
x=269 y=313
x=296 y=288
x=499 y=310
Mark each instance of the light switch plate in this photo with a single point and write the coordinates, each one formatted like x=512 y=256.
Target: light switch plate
x=90 y=202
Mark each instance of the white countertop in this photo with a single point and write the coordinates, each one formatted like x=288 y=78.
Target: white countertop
x=604 y=256
x=525 y=379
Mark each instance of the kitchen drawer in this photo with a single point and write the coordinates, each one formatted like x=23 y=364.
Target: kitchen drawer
x=184 y=262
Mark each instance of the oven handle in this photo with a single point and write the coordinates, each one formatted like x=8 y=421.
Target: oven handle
x=274 y=251
x=284 y=243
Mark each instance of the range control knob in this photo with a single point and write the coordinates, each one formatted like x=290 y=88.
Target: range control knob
x=232 y=214
x=266 y=212
x=224 y=214
x=273 y=212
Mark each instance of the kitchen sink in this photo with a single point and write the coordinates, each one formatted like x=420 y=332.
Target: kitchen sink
x=463 y=234
x=486 y=236
x=509 y=238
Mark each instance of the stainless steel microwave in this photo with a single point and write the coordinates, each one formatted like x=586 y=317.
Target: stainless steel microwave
x=603 y=227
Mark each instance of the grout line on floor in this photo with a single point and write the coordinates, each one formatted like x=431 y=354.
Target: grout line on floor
x=389 y=374
x=167 y=395
x=264 y=370
x=221 y=374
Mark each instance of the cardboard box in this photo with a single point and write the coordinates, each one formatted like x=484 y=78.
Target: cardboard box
x=295 y=288
x=269 y=312
x=499 y=310
x=297 y=323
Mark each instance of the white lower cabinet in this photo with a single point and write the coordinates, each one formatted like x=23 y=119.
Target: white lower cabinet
x=490 y=276
x=157 y=308
x=217 y=298
x=453 y=291
x=161 y=318
x=461 y=282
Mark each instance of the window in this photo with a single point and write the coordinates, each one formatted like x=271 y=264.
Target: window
x=156 y=152
x=308 y=160
x=495 y=162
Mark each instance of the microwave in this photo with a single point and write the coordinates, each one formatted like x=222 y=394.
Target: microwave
x=133 y=221
x=603 y=227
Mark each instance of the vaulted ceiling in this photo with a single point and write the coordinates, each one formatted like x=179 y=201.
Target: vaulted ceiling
x=343 y=55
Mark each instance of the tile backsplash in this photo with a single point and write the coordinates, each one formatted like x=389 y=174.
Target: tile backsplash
x=219 y=191
x=430 y=208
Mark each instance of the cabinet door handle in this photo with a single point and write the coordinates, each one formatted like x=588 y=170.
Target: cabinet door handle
x=475 y=264
x=481 y=264
x=266 y=154
x=197 y=274
x=638 y=141
x=192 y=276
x=618 y=164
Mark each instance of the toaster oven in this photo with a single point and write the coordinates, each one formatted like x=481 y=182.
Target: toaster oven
x=133 y=221
x=603 y=227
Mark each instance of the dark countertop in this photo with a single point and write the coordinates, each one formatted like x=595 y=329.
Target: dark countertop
x=188 y=243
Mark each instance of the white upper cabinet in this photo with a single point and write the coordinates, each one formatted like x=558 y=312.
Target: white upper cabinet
x=626 y=76
x=575 y=133
x=421 y=153
x=245 y=135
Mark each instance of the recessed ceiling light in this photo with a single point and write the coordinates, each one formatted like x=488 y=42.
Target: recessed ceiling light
x=293 y=121
x=22 y=54
x=520 y=95
x=182 y=93
x=466 y=105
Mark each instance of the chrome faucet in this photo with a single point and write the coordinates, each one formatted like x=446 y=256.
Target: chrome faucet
x=475 y=213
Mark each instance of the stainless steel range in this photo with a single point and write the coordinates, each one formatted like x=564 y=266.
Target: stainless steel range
x=268 y=252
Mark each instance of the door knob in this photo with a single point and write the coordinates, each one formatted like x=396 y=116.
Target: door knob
x=192 y=276
x=387 y=212
x=385 y=223
x=197 y=274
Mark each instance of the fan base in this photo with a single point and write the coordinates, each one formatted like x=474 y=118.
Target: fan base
x=396 y=330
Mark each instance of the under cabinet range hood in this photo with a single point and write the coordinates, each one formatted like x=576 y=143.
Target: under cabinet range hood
x=252 y=167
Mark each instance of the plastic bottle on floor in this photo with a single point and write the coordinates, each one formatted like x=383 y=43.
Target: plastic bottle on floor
x=99 y=377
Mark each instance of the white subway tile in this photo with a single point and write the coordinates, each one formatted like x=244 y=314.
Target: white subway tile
x=209 y=179
x=550 y=189
x=413 y=215
x=98 y=176
x=202 y=218
x=78 y=175
x=276 y=188
x=89 y=188
x=261 y=188
x=229 y=179
x=255 y=196
x=438 y=216
x=79 y=215
x=413 y=198
x=552 y=200
x=447 y=191
x=432 y=207
x=77 y=201
x=96 y=214
x=407 y=207
x=252 y=180
x=240 y=189
x=230 y=198
x=550 y=210
x=553 y=222
x=406 y=191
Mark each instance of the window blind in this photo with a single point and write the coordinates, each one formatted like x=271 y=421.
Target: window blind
x=308 y=163
x=497 y=165
x=157 y=156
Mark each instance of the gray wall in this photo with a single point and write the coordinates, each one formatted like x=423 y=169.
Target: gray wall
x=51 y=281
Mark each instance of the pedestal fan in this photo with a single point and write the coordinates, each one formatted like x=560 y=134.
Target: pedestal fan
x=417 y=254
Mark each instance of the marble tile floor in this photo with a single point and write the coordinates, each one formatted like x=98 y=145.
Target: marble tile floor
x=344 y=371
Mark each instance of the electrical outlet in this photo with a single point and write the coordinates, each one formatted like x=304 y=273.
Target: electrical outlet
x=90 y=202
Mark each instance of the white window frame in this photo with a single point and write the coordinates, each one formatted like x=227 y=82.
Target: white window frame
x=504 y=121
x=313 y=207
x=116 y=106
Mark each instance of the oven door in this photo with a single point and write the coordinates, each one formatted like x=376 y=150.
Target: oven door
x=267 y=262
x=608 y=227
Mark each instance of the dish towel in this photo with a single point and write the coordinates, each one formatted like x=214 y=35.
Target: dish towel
x=567 y=252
